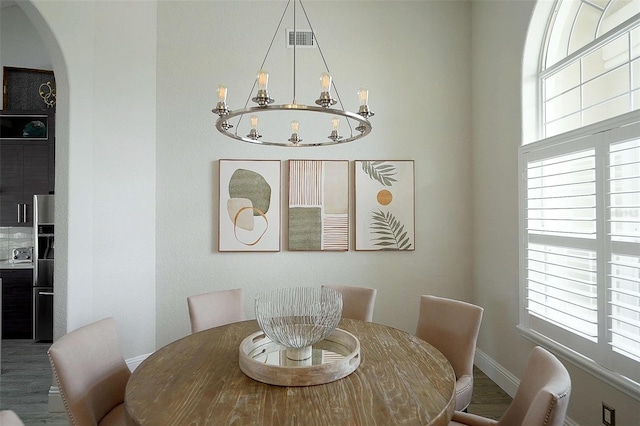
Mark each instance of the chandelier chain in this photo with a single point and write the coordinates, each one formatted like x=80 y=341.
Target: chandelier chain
x=295 y=43
x=265 y=60
x=333 y=83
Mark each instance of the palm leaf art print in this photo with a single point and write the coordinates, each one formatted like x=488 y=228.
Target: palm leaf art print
x=380 y=171
x=390 y=232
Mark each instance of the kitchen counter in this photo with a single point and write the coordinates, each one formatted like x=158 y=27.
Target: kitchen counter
x=5 y=264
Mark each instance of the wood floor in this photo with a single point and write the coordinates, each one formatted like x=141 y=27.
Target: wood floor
x=488 y=399
x=26 y=376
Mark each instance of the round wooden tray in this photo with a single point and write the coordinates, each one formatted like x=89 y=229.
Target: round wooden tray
x=333 y=358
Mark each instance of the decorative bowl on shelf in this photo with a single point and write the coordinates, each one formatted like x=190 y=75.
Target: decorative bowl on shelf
x=34 y=129
x=298 y=317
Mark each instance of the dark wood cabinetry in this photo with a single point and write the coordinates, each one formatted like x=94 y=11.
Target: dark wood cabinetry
x=24 y=171
x=26 y=163
x=17 y=303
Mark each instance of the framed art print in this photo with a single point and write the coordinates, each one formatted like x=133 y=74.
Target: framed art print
x=384 y=205
x=318 y=205
x=249 y=214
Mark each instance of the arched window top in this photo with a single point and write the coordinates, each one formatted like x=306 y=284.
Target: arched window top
x=576 y=23
x=589 y=63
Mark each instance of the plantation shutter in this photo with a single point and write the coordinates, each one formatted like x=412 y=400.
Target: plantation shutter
x=624 y=271
x=561 y=271
x=581 y=245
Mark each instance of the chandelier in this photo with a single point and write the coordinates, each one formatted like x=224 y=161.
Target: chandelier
x=336 y=119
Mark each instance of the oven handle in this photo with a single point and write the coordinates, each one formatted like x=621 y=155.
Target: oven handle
x=45 y=293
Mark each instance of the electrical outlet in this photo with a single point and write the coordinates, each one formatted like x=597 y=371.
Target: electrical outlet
x=608 y=415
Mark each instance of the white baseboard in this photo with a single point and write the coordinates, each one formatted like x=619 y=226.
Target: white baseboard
x=503 y=378
x=496 y=372
x=134 y=362
x=55 y=399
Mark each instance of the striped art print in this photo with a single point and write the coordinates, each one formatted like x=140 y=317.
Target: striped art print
x=318 y=205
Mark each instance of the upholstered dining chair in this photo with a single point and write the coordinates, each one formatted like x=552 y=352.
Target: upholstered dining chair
x=215 y=308
x=452 y=326
x=357 y=302
x=10 y=418
x=541 y=399
x=91 y=374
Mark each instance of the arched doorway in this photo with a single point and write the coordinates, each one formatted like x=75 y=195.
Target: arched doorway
x=27 y=13
x=62 y=131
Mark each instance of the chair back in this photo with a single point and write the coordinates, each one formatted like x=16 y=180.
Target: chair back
x=10 y=418
x=451 y=326
x=215 y=308
x=357 y=302
x=542 y=397
x=90 y=371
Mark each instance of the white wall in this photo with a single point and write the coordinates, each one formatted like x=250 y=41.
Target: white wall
x=20 y=43
x=107 y=140
x=499 y=29
x=413 y=57
x=104 y=57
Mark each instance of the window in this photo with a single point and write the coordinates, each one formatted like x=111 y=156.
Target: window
x=580 y=192
x=590 y=64
x=581 y=245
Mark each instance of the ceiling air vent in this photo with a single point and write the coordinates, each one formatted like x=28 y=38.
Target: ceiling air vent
x=301 y=38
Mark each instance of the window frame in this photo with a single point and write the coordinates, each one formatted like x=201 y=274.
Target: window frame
x=606 y=129
x=547 y=71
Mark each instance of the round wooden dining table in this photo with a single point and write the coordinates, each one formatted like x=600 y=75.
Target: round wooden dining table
x=197 y=380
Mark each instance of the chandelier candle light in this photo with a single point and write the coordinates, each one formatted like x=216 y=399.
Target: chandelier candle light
x=357 y=123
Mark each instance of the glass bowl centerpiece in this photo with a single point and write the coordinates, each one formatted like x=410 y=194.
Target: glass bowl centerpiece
x=298 y=317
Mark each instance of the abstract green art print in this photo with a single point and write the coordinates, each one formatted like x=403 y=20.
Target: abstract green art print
x=318 y=205
x=384 y=205
x=249 y=214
